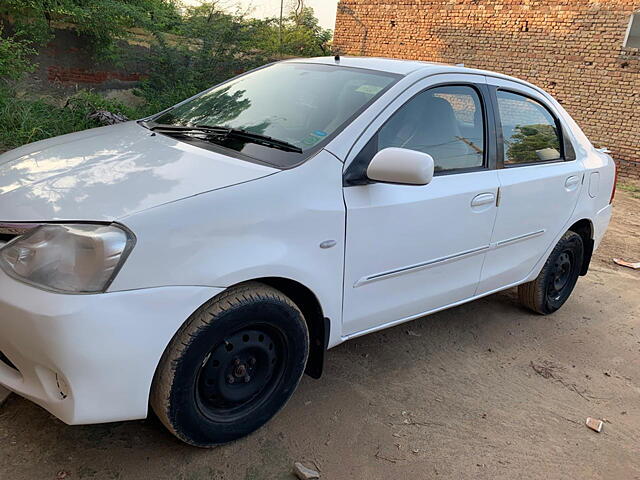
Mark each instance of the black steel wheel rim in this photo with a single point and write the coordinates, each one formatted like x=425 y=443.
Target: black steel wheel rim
x=241 y=372
x=561 y=277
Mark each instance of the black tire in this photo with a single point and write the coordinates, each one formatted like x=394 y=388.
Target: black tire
x=232 y=366
x=553 y=286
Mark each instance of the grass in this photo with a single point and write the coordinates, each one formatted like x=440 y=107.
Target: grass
x=634 y=190
x=25 y=120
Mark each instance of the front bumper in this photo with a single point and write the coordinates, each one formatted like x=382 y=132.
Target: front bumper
x=89 y=358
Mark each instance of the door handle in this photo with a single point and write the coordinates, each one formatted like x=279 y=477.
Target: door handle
x=571 y=182
x=483 y=199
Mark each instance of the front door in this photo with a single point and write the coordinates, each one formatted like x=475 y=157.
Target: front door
x=414 y=249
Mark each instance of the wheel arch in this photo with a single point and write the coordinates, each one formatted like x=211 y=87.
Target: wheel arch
x=584 y=228
x=319 y=326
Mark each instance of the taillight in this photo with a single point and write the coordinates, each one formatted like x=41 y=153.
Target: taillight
x=615 y=182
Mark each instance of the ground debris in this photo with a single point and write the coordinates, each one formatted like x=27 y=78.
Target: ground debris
x=624 y=263
x=594 y=424
x=411 y=333
x=545 y=369
x=304 y=473
x=386 y=459
x=104 y=117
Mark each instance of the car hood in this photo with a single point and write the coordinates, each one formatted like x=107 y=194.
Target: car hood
x=110 y=172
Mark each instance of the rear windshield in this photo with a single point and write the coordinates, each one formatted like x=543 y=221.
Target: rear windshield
x=302 y=104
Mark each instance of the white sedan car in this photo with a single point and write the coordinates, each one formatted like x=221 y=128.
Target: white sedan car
x=202 y=259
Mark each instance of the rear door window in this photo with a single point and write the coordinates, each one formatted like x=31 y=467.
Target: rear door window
x=530 y=132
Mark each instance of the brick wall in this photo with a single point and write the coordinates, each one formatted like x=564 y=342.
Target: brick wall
x=571 y=48
x=78 y=76
x=67 y=62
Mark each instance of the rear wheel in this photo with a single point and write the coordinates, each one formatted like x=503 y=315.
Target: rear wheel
x=553 y=286
x=232 y=366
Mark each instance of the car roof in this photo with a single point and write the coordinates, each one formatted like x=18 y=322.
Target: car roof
x=389 y=65
x=406 y=67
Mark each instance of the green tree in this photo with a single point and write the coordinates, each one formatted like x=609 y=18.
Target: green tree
x=208 y=46
x=303 y=36
x=103 y=22
x=528 y=140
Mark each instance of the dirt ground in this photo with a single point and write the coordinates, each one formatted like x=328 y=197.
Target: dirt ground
x=486 y=390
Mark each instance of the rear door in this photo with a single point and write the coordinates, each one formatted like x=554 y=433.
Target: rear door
x=540 y=179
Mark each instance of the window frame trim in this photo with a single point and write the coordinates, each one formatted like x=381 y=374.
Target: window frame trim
x=500 y=163
x=490 y=157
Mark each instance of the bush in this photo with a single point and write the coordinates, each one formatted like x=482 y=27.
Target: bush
x=14 y=57
x=24 y=120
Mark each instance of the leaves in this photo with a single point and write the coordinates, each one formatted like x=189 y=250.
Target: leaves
x=14 y=57
x=103 y=22
x=210 y=45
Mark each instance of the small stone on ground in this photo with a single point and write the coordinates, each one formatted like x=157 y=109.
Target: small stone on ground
x=304 y=473
x=594 y=424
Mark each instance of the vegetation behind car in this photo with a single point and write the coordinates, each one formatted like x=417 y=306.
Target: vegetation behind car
x=191 y=49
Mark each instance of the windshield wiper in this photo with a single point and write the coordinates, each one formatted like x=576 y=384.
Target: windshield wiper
x=227 y=132
x=255 y=137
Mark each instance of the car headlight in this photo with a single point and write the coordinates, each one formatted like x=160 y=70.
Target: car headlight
x=70 y=258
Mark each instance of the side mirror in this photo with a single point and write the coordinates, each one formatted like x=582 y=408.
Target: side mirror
x=400 y=165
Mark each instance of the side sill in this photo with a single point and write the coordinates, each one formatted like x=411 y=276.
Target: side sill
x=428 y=312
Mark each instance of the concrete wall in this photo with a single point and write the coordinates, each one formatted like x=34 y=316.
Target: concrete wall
x=571 y=48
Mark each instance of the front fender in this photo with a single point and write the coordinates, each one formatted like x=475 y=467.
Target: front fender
x=269 y=227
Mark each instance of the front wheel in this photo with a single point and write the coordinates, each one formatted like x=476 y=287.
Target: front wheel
x=553 y=286
x=232 y=366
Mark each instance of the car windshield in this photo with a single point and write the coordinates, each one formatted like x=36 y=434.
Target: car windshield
x=302 y=104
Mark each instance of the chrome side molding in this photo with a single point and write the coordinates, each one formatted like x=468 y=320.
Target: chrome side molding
x=519 y=238
x=420 y=266
x=448 y=258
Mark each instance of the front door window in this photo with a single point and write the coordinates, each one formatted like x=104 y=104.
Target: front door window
x=446 y=122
